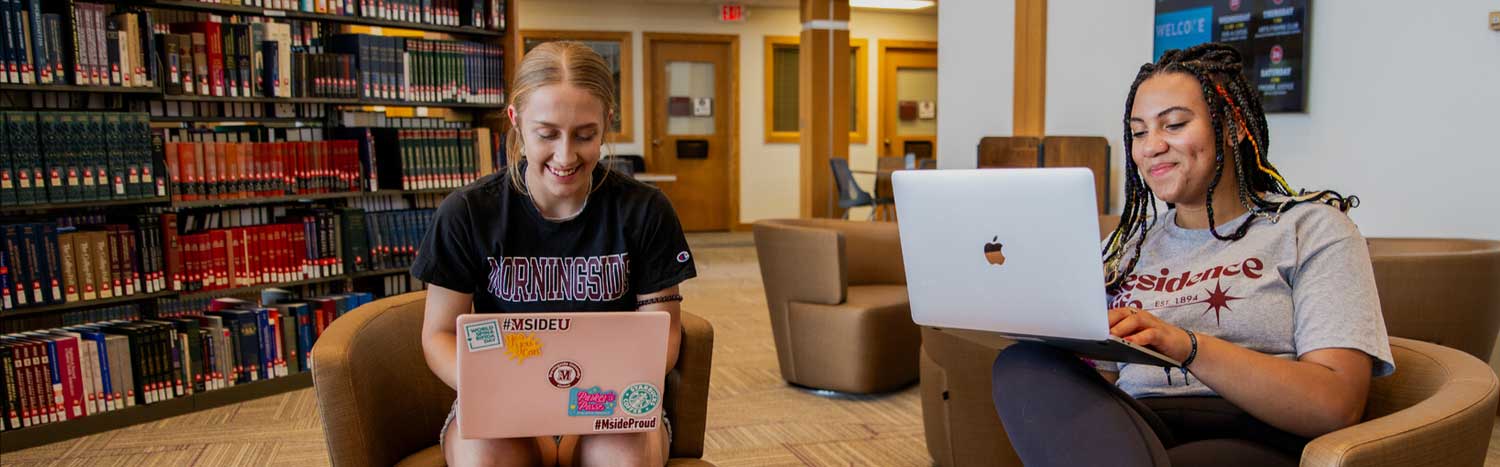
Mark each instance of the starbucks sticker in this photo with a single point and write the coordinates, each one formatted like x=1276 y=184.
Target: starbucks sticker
x=640 y=399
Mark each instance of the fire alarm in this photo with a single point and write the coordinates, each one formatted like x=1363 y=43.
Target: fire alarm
x=1495 y=20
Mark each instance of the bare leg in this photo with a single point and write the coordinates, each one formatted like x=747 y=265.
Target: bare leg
x=496 y=452
x=646 y=449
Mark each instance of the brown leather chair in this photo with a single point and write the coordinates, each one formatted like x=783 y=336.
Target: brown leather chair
x=1440 y=290
x=381 y=405
x=837 y=297
x=962 y=428
x=1436 y=410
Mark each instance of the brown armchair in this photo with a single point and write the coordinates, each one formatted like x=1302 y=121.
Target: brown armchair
x=381 y=405
x=1440 y=290
x=1438 y=407
x=837 y=297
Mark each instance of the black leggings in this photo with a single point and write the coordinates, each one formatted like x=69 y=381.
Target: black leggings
x=1058 y=411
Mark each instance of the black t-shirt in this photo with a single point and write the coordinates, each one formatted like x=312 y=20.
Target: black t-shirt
x=489 y=240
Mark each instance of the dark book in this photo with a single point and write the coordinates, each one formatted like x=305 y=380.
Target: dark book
x=7 y=273
x=115 y=153
x=41 y=57
x=7 y=162
x=51 y=263
x=112 y=51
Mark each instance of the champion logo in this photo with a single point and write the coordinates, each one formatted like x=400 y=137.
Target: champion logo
x=683 y=257
x=1277 y=54
x=1234 y=5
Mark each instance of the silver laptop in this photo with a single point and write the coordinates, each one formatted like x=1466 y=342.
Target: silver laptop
x=1013 y=251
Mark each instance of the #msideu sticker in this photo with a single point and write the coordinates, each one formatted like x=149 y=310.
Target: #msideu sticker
x=483 y=335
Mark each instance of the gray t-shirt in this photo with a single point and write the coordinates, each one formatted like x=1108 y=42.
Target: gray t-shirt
x=1301 y=284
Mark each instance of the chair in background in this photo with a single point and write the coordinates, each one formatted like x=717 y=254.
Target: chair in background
x=850 y=194
x=1091 y=152
x=836 y=292
x=381 y=405
x=637 y=162
x=884 y=168
x=622 y=166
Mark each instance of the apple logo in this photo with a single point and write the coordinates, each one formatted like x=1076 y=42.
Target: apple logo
x=992 y=252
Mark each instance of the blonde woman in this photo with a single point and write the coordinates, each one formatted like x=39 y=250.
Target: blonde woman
x=553 y=201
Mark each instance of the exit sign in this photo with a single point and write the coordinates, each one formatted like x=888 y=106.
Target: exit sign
x=732 y=13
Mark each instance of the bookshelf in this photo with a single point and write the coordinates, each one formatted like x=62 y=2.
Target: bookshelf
x=272 y=114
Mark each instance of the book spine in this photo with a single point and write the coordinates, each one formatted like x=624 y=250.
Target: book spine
x=47 y=236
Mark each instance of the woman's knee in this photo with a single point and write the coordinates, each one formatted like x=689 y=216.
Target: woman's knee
x=490 y=452
x=624 y=449
x=1022 y=358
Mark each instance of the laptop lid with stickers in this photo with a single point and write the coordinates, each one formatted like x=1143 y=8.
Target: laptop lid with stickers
x=539 y=374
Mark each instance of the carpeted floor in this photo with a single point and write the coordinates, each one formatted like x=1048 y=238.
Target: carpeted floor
x=754 y=418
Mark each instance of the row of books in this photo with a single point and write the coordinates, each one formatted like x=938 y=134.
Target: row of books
x=58 y=42
x=418 y=159
x=394 y=236
x=44 y=264
x=397 y=68
x=210 y=58
x=232 y=170
x=296 y=248
x=486 y=14
x=71 y=372
x=70 y=157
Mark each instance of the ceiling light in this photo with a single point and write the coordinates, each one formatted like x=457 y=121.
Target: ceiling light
x=891 y=4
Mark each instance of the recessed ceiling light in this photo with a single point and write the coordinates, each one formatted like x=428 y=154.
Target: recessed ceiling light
x=891 y=4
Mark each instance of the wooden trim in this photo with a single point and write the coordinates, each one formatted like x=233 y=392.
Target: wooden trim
x=888 y=88
x=858 y=134
x=627 y=72
x=1029 y=117
x=734 y=113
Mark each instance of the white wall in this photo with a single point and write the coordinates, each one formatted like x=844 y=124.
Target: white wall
x=1403 y=105
x=976 y=77
x=768 y=172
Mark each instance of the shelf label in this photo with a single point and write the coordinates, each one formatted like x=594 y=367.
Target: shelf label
x=280 y=13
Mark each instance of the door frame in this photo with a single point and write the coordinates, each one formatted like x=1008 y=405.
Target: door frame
x=648 y=81
x=888 y=88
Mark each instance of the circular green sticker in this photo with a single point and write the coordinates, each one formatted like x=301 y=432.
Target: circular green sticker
x=640 y=399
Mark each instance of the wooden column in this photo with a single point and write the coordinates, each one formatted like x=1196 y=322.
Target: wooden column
x=1030 y=111
x=823 y=109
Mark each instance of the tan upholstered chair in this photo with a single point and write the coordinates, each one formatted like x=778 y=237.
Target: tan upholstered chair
x=1436 y=410
x=1440 y=290
x=837 y=297
x=1433 y=397
x=381 y=405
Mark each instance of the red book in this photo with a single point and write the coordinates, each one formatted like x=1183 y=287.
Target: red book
x=173 y=267
x=174 y=170
x=219 y=254
x=21 y=352
x=70 y=367
x=190 y=157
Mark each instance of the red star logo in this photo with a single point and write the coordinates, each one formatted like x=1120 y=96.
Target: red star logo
x=1218 y=299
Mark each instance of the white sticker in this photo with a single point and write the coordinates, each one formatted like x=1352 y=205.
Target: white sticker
x=483 y=335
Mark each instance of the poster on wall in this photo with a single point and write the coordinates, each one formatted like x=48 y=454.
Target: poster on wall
x=1271 y=36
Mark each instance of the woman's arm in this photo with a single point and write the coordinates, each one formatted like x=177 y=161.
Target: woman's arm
x=439 y=331
x=1322 y=391
x=674 y=331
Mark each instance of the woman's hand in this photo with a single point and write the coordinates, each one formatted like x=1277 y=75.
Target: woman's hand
x=1142 y=328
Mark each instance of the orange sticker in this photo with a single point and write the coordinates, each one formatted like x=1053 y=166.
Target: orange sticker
x=522 y=346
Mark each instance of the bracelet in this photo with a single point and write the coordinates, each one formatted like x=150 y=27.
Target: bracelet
x=1193 y=353
x=661 y=299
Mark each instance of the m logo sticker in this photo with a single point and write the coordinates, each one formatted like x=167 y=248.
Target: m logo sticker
x=483 y=335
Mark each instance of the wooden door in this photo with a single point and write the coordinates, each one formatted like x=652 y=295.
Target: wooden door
x=908 y=77
x=691 y=111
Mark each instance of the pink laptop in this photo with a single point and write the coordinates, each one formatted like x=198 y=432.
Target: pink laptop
x=535 y=374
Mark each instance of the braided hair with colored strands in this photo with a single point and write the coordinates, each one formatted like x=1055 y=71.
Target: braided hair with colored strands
x=1234 y=106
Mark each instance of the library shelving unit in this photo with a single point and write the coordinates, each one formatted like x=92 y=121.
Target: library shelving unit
x=273 y=109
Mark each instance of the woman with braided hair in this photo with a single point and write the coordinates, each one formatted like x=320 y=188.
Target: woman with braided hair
x=1264 y=294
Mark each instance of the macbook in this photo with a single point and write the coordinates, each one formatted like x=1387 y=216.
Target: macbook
x=1013 y=251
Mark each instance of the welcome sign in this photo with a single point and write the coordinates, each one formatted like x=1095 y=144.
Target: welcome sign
x=1271 y=36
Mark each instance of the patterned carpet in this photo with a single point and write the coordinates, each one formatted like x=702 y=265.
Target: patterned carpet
x=754 y=418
